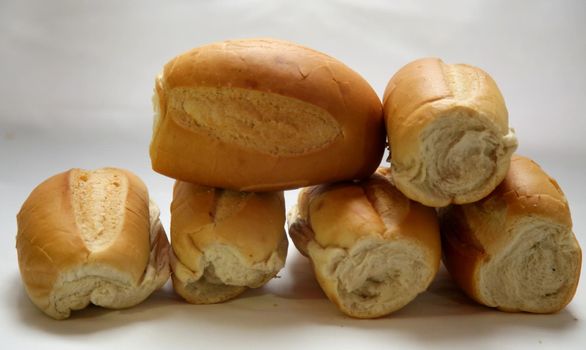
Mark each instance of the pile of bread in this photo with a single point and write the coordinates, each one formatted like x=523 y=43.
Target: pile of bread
x=239 y=122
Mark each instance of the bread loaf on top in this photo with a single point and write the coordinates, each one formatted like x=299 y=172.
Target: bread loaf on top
x=264 y=115
x=448 y=131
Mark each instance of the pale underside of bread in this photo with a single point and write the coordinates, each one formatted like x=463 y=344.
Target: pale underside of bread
x=462 y=158
x=223 y=273
x=99 y=205
x=537 y=272
x=374 y=277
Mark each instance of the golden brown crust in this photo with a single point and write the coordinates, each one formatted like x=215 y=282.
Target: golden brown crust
x=427 y=81
x=319 y=208
x=252 y=222
x=279 y=68
x=46 y=229
x=528 y=190
x=474 y=234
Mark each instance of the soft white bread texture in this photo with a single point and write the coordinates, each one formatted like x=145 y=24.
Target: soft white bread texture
x=515 y=249
x=372 y=249
x=264 y=115
x=90 y=237
x=448 y=132
x=225 y=242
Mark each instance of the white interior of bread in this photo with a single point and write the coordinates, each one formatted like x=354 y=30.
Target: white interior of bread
x=108 y=287
x=224 y=273
x=264 y=122
x=374 y=277
x=536 y=272
x=459 y=154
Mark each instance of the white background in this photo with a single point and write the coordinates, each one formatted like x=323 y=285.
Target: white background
x=76 y=80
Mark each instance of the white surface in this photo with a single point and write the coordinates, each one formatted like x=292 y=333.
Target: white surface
x=76 y=85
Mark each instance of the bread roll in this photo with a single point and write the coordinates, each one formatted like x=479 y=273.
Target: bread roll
x=90 y=237
x=515 y=249
x=448 y=132
x=372 y=249
x=264 y=115
x=225 y=242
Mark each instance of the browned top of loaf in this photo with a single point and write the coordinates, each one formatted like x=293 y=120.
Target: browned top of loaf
x=339 y=214
x=274 y=66
x=529 y=190
x=430 y=81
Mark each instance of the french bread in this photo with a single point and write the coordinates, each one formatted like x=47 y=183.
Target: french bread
x=372 y=249
x=224 y=242
x=448 y=131
x=90 y=237
x=264 y=115
x=515 y=249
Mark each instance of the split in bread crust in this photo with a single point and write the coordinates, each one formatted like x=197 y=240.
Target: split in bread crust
x=261 y=121
x=515 y=250
x=225 y=242
x=91 y=237
x=448 y=132
x=372 y=249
